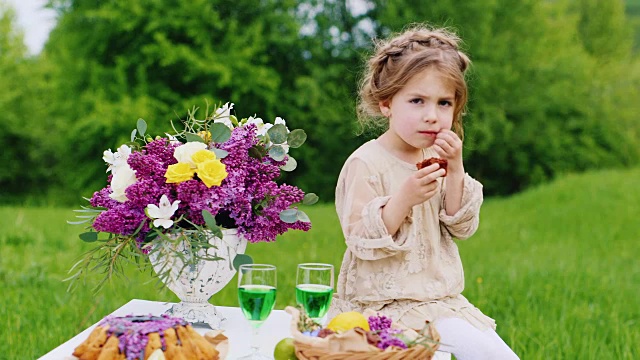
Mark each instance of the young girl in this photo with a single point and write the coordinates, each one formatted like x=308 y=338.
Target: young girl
x=399 y=222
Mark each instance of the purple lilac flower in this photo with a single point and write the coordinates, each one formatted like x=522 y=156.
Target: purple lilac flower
x=147 y=166
x=387 y=339
x=162 y=150
x=380 y=322
x=101 y=198
x=133 y=331
x=120 y=219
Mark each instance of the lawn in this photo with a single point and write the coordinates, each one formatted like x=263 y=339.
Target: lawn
x=555 y=266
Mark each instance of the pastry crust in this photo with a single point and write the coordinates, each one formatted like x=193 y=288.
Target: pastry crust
x=433 y=160
x=174 y=336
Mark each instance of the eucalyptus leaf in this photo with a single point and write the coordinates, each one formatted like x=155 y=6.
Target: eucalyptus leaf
x=142 y=127
x=210 y=220
x=193 y=138
x=219 y=132
x=302 y=216
x=133 y=134
x=278 y=134
x=289 y=215
x=310 y=199
x=277 y=153
x=241 y=259
x=296 y=138
x=291 y=164
x=89 y=236
x=217 y=232
x=255 y=153
x=220 y=154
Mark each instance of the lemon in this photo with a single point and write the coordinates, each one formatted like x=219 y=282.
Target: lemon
x=347 y=321
x=285 y=350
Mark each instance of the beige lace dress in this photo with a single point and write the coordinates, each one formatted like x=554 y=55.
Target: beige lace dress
x=415 y=275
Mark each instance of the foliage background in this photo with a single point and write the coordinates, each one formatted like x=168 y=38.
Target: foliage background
x=553 y=87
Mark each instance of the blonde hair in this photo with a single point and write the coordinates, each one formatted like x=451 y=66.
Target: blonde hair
x=404 y=55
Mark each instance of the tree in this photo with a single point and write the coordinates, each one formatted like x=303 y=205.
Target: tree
x=533 y=113
x=153 y=59
x=24 y=156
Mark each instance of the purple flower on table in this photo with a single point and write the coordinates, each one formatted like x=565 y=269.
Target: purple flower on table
x=388 y=338
x=380 y=322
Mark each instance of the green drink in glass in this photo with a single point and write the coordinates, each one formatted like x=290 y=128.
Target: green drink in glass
x=314 y=298
x=257 y=297
x=256 y=301
x=314 y=289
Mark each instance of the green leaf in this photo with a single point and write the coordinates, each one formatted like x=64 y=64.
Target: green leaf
x=211 y=223
x=241 y=259
x=302 y=216
x=296 y=138
x=89 y=236
x=219 y=132
x=291 y=164
x=277 y=153
x=78 y=222
x=133 y=134
x=257 y=152
x=289 y=216
x=220 y=154
x=217 y=232
x=278 y=134
x=142 y=127
x=193 y=138
x=310 y=199
x=209 y=219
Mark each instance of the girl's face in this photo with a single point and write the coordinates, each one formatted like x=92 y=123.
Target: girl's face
x=417 y=112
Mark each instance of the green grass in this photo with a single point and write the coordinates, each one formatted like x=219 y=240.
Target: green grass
x=555 y=266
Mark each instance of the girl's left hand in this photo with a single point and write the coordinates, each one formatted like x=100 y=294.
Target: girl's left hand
x=449 y=146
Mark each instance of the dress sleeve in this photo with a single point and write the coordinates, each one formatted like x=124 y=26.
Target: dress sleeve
x=463 y=223
x=359 y=201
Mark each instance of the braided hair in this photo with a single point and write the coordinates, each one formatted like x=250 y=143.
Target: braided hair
x=397 y=59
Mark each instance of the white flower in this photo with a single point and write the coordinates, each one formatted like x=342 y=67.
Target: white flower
x=184 y=152
x=172 y=139
x=280 y=120
x=121 y=180
x=118 y=159
x=163 y=213
x=261 y=127
x=223 y=115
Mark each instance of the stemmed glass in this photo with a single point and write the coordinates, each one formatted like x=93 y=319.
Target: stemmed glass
x=314 y=289
x=257 y=297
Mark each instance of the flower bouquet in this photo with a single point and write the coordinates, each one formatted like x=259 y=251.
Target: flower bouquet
x=355 y=336
x=172 y=193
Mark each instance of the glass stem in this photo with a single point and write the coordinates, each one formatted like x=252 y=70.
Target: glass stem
x=255 y=343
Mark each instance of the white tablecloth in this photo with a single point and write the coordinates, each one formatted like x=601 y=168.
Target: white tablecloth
x=235 y=327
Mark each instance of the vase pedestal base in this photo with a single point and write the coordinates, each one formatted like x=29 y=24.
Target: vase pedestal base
x=198 y=312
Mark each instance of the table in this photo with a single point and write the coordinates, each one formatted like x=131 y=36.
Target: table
x=235 y=327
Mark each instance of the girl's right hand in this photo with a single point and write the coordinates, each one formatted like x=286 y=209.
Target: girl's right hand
x=422 y=185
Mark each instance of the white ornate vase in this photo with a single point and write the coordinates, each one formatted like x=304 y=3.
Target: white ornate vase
x=195 y=285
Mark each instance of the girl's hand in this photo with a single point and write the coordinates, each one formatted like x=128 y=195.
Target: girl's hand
x=449 y=146
x=421 y=186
